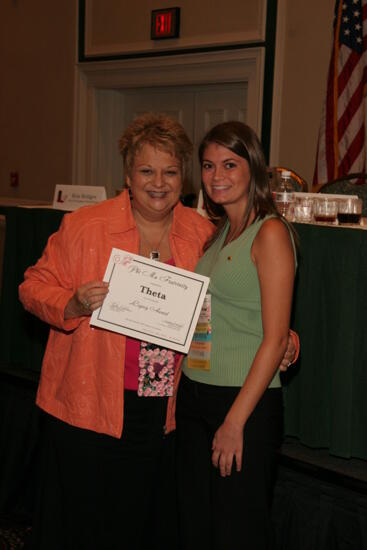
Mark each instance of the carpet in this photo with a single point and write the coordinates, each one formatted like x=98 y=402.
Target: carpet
x=13 y=537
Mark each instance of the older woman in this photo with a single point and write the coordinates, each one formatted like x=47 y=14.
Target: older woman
x=102 y=442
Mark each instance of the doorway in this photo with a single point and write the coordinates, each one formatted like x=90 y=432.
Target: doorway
x=197 y=108
x=200 y=90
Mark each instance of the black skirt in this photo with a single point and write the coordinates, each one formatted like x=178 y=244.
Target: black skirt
x=99 y=492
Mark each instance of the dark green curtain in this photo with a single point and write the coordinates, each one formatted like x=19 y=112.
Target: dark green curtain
x=22 y=336
x=326 y=403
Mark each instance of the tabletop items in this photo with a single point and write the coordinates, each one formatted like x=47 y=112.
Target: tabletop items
x=315 y=208
x=284 y=194
x=325 y=210
x=350 y=211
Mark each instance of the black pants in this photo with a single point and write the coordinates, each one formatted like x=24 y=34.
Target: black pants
x=96 y=491
x=232 y=512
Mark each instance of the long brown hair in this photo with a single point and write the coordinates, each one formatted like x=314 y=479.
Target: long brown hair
x=241 y=140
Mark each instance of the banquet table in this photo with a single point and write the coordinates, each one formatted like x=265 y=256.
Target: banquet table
x=325 y=397
x=22 y=336
x=325 y=393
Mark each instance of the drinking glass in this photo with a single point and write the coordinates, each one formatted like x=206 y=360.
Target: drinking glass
x=349 y=210
x=325 y=210
x=284 y=202
x=303 y=210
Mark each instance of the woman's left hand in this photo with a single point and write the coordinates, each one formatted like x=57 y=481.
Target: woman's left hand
x=227 y=445
x=289 y=354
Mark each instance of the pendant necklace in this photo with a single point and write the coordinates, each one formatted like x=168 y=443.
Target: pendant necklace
x=154 y=253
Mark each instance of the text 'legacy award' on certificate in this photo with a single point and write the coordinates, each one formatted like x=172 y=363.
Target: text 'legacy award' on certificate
x=151 y=301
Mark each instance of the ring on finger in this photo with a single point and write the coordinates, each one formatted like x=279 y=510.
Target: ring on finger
x=86 y=304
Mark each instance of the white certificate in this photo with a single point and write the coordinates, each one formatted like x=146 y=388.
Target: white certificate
x=151 y=301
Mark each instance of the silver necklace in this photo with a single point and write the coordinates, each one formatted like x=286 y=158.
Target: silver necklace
x=154 y=253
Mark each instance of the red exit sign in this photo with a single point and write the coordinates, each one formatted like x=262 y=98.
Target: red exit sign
x=165 y=23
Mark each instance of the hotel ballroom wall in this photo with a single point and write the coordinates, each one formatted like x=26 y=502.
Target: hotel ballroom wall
x=38 y=59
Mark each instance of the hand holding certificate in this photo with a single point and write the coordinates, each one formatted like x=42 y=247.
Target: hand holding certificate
x=151 y=301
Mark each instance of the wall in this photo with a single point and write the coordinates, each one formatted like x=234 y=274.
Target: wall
x=38 y=54
x=37 y=58
x=307 y=41
x=114 y=27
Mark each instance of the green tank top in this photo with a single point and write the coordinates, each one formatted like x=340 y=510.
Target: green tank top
x=237 y=330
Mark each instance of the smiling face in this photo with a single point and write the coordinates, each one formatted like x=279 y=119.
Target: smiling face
x=155 y=180
x=226 y=177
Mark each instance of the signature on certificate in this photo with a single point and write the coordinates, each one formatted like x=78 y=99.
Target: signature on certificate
x=173 y=326
x=115 y=306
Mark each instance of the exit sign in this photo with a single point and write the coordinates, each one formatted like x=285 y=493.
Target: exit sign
x=165 y=23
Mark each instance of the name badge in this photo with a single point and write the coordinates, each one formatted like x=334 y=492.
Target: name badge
x=199 y=352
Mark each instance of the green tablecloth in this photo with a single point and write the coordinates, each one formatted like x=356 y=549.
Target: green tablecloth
x=325 y=394
x=22 y=336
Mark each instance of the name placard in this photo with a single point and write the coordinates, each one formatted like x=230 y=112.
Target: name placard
x=71 y=197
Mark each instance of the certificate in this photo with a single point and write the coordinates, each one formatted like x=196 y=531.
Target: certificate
x=151 y=301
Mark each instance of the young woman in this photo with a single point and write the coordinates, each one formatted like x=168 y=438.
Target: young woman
x=229 y=406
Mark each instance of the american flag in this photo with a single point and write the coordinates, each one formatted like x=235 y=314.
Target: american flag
x=341 y=144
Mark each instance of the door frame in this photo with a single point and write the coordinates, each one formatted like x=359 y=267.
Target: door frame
x=227 y=66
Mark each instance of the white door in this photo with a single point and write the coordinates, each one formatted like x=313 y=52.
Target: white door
x=200 y=88
x=197 y=108
x=215 y=104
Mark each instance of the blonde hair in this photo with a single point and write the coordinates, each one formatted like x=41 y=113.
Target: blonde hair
x=159 y=131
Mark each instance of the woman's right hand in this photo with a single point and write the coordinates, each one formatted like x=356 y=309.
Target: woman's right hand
x=87 y=298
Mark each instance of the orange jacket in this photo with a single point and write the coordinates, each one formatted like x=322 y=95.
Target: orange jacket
x=82 y=377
